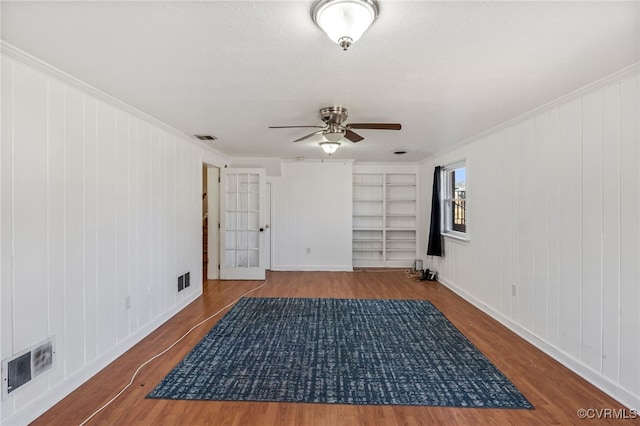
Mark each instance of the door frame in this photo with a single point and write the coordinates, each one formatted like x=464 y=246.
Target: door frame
x=243 y=272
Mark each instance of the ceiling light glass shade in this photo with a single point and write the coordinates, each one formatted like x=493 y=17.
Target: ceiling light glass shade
x=334 y=136
x=329 y=147
x=344 y=21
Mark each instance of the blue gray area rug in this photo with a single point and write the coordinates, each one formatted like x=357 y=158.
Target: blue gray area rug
x=339 y=351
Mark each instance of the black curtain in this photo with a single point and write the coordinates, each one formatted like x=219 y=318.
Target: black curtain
x=435 y=238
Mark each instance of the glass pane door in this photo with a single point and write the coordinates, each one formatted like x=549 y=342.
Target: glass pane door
x=242 y=236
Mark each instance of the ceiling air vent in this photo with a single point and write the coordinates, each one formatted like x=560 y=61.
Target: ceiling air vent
x=206 y=137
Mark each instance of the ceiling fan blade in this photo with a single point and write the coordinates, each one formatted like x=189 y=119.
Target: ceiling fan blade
x=308 y=136
x=294 y=127
x=352 y=136
x=376 y=126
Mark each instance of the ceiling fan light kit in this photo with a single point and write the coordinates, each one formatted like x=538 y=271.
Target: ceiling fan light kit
x=329 y=147
x=334 y=136
x=344 y=21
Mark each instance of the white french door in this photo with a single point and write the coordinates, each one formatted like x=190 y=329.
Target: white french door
x=242 y=219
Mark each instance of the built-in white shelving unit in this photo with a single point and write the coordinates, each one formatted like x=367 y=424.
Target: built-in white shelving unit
x=384 y=219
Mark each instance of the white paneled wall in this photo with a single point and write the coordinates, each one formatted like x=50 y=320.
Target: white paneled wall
x=312 y=225
x=554 y=210
x=99 y=205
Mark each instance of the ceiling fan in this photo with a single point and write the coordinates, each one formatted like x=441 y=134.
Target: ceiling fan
x=335 y=128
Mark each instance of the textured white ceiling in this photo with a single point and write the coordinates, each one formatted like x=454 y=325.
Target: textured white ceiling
x=445 y=70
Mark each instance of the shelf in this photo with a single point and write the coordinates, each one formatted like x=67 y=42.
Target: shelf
x=377 y=257
x=405 y=179
x=384 y=199
x=394 y=257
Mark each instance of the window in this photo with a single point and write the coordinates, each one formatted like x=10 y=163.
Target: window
x=454 y=194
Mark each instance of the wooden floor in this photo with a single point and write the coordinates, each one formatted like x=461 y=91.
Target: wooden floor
x=556 y=393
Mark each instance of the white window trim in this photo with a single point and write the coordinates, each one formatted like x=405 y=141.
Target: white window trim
x=456 y=236
x=450 y=233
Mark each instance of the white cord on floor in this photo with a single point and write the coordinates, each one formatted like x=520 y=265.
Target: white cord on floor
x=165 y=351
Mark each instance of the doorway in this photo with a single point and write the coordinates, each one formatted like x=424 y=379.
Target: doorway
x=211 y=229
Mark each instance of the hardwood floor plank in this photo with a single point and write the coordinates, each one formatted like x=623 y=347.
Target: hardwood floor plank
x=555 y=391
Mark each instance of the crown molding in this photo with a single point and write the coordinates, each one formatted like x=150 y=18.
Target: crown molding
x=388 y=163
x=51 y=71
x=317 y=160
x=616 y=77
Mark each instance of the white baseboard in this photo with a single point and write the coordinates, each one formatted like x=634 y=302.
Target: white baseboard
x=71 y=383
x=612 y=389
x=330 y=268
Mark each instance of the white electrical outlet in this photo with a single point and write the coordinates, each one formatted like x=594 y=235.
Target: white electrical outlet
x=308 y=250
x=127 y=303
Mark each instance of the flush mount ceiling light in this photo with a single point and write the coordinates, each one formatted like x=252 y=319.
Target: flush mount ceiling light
x=344 y=21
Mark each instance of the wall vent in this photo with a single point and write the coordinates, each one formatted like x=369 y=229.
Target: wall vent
x=181 y=283
x=26 y=365
x=184 y=281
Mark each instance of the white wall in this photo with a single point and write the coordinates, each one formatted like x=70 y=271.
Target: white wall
x=312 y=205
x=98 y=204
x=554 y=210
x=272 y=166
